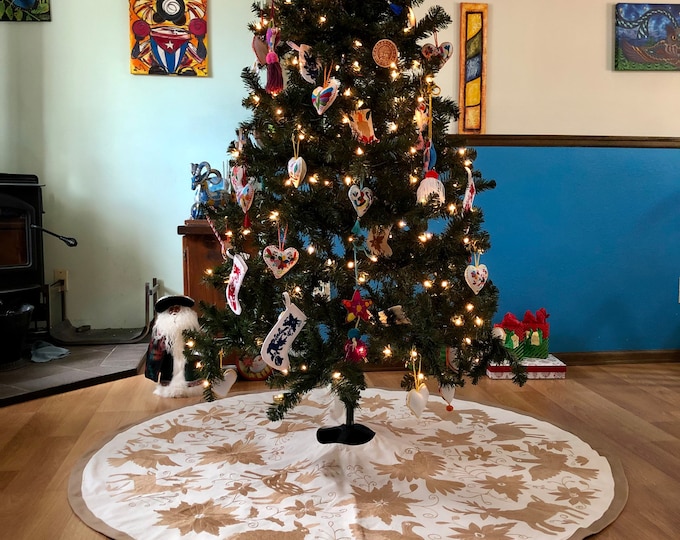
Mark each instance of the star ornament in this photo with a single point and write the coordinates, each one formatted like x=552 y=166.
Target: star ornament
x=357 y=307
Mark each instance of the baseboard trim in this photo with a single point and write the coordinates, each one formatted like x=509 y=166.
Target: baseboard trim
x=618 y=357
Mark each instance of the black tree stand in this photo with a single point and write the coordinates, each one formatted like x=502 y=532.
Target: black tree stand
x=348 y=433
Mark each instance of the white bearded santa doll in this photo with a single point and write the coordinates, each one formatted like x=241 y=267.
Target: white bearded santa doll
x=166 y=363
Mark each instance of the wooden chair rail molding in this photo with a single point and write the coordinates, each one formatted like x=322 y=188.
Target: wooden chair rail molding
x=565 y=140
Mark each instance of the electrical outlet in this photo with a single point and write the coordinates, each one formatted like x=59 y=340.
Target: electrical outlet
x=62 y=275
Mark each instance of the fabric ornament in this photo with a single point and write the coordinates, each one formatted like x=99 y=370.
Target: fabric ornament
x=237 y=178
x=439 y=53
x=431 y=189
x=361 y=123
x=260 y=49
x=238 y=272
x=422 y=116
x=357 y=307
x=355 y=348
x=377 y=241
x=277 y=344
x=476 y=275
x=307 y=62
x=429 y=157
x=297 y=167
x=393 y=315
x=297 y=170
x=278 y=259
x=416 y=399
x=470 y=192
x=324 y=96
x=385 y=53
x=447 y=392
x=221 y=388
x=245 y=197
x=361 y=199
x=274 y=72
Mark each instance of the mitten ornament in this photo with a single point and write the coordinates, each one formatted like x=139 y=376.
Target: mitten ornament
x=277 y=344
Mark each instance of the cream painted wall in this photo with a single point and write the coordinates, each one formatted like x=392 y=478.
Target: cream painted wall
x=114 y=150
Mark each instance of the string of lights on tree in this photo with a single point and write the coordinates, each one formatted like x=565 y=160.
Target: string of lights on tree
x=351 y=236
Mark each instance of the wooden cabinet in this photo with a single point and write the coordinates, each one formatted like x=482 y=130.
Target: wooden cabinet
x=200 y=251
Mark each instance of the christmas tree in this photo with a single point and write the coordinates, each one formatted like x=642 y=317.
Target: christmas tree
x=352 y=235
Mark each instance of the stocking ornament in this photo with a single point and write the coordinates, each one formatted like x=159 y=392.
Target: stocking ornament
x=280 y=338
x=476 y=275
x=470 y=192
x=238 y=272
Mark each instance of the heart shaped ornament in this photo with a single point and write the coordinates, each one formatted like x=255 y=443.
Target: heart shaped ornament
x=297 y=169
x=361 y=199
x=476 y=276
x=221 y=388
x=442 y=52
x=245 y=196
x=238 y=178
x=445 y=52
x=324 y=96
x=280 y=261
x=416 y=400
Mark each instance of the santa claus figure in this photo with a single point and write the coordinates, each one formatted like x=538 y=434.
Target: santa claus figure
x=175 y=375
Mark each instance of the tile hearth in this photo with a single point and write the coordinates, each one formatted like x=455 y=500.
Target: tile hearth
x=85 y=365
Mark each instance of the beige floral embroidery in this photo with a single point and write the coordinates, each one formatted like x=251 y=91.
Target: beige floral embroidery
x=421 y=466
x=510 y=486
x=477 y=453
x=574 y=495
x=486 y=532
x=447 y=439
x=301 y=509
x=244 y=451
x=216 y=414
x=382 y=502
x=549 y=464
x=198 y=518
x=147 y=458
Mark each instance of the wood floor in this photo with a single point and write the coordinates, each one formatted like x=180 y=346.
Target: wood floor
x=629 y=411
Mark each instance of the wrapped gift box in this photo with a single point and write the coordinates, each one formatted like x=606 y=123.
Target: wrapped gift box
x=537 y=368
x=528 y=338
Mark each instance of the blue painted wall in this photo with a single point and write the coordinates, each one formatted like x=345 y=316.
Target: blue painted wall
x=592 y=235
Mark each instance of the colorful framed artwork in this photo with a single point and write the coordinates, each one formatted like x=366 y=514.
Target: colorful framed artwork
x=472 y=75
x=647 y=37
x=169 y=38
x=25 y=10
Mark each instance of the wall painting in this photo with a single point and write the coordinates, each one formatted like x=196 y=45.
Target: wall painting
x=647 y=37
x=472 y=75
x=169 y=38
x=25 y=10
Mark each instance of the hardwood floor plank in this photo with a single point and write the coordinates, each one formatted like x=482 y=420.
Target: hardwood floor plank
x=632 y=412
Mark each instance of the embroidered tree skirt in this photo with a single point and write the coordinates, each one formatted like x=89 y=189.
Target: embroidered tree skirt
x=222 y=470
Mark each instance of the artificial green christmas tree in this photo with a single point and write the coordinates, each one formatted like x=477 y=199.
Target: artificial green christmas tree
x=352 y=236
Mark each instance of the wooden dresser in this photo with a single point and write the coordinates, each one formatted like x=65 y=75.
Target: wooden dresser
x=200 y=252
